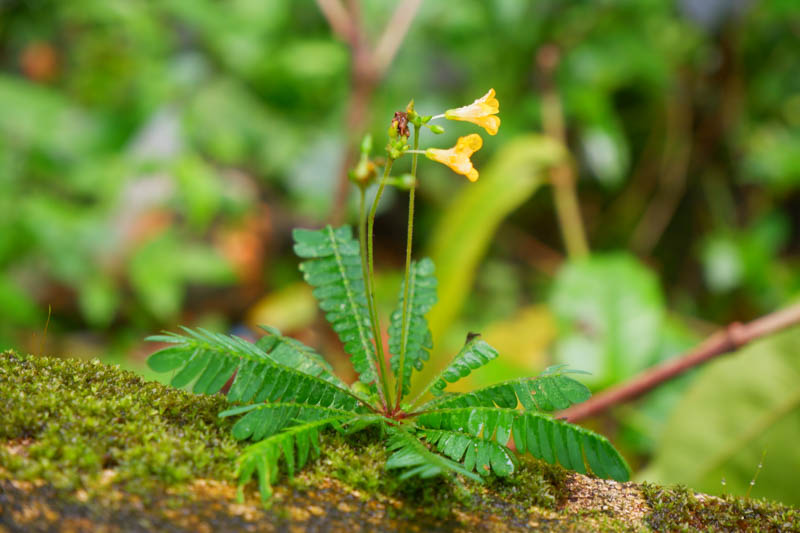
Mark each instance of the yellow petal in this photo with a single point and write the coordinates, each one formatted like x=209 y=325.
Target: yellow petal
x=457 y=157
x=481 y=112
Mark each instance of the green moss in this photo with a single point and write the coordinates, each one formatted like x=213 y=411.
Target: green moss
x=680 y=509
x=103 y=441
x=69 y=420
x=358 y=461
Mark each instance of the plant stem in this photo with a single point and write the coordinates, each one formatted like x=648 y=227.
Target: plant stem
x=400 y=374
x=370 y=286
x=562 y=176
x=733 y=337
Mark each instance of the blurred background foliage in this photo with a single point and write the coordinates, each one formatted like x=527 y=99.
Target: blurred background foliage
x=155 y=155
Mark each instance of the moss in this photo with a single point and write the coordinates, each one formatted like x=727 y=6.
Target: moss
x=85 y=441
x=680 y=509
x=70 y=421
x=358 y=461
x=86 y=428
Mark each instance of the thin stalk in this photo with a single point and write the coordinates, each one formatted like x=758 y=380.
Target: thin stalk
x=362 y=242
x=400 y=375
x=370 y=284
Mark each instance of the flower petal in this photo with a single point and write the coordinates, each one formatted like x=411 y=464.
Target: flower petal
x=481 y=112
x=458 y=157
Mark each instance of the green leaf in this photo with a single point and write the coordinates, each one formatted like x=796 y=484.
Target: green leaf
x=738 y=407
x=295 y=354
x=212 y=358
x=455 y=445
x=465 y=230
x=547 y=392
x=609 y=310
x=410 y=453
x=540 y=435
x=167 y=359
x=262 y=458
x=413 y=338
x=474 y=354
x=261 y=421
x=334 y=269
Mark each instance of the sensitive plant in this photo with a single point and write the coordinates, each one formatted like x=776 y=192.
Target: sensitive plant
x=285 y=393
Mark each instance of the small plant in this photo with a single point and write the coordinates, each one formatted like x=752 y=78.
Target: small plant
x=286 y=393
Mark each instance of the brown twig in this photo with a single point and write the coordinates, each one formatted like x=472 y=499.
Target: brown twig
x=727 y=340
x=338 y=19
x=368 y=68
x=562 y=176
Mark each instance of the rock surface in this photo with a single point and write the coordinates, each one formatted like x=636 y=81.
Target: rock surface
x=88 y=447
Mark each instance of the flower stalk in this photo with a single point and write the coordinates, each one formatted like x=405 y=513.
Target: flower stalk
x=482 y=112
x=369 y=282
x=409 y=240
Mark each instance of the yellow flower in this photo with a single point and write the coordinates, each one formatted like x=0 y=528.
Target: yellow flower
x=458 y=156
x=482 y=112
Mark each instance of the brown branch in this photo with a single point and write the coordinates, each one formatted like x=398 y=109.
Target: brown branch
x=727 y=340
x=562 y=176
x=393 y=35
x=338 y=19
x=368 y=68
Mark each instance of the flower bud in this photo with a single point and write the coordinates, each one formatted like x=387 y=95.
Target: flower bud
x=366 y=144
x=406 y=182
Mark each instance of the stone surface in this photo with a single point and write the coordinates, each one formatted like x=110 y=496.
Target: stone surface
x=88 y=447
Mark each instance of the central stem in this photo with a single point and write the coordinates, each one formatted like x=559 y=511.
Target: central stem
x=401 y=373
x=370 y=285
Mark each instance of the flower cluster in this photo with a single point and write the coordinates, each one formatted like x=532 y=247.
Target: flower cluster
x=482 y=112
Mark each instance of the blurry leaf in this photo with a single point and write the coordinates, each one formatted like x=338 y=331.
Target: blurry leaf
x=773 y=157
x=16 y=306
x=199 y=263
x=98 y=298
x=463 y=234
x=748 y=258
x=231 y=125
x=200 y=190
x=154 y=275
x=34 y=116
x=722 y=264
x=469 y=223
x=312 y=61
x=609 y=310
x=739 y=406
x=288 y=309
x=312 y=177
x=606 y=153
x=161 y=268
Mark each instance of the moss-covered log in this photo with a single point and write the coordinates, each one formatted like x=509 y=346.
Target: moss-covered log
x=88 y=447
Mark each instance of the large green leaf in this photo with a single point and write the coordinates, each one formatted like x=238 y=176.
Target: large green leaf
x=548 y=392
x=468 y=225
x=540 y=435
x=334 y=270
x=609 y=310
x=740 y=406
x=211 y=359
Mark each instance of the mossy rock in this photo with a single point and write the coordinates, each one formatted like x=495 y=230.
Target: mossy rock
x=89 y=447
